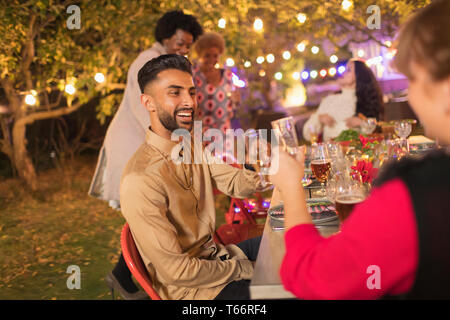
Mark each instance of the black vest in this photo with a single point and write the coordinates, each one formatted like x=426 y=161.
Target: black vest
x=428 y=182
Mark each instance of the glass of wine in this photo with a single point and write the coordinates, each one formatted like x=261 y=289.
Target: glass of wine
x=403 y=130
x=286 y=134
x=320 y=164
x=259 y=155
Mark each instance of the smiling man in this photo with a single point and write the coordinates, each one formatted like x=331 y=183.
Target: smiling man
x=170 y=206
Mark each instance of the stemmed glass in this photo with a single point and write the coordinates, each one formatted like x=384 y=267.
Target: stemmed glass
x=320 y=164
x=403 y=130
x=369 y=125
x=259 y=154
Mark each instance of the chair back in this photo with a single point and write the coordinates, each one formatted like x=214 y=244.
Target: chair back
x=134 y=262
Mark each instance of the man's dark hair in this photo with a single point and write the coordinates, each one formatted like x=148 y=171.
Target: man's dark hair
x=152 y=68
x=168 y=24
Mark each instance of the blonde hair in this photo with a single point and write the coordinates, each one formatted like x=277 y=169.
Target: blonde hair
x=425 y=39
x=208 y=40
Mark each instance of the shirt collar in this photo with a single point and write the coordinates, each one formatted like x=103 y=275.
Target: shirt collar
x=159 y=47
x=162 y=144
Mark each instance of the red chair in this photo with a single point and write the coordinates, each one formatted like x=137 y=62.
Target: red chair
x=134 y=262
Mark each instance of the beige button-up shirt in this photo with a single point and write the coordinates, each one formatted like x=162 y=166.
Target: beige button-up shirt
x=171 y=213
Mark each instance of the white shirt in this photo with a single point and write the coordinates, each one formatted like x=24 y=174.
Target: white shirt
x=125 y=133
x=339 y=106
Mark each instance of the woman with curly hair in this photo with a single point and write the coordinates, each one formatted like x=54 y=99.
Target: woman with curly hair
x=361 y=94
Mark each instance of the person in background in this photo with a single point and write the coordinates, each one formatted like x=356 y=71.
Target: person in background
x=175 y=32
x=399 y=234
x=169 y=204
x=218 y=98
x=361 y=94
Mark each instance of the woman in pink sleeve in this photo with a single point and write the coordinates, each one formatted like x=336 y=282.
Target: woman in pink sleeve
x=396 y=243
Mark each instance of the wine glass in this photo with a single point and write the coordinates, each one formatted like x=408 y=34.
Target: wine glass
x=320 y=164
x=286 y=134
x=403 y=130
x=369 y=125
x=259 y=155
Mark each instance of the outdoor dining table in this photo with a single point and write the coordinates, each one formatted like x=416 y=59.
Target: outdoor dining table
x=266 y=282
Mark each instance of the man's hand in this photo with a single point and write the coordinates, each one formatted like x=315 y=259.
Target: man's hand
x=327 y=120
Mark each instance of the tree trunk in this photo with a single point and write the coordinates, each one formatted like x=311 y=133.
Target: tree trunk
x=22 y=160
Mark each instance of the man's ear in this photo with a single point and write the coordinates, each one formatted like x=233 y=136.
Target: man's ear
x=148 y=102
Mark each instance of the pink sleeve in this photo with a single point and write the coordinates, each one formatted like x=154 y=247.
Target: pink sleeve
x=376 y=252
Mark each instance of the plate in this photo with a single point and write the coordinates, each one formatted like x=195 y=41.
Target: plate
x=276 y=214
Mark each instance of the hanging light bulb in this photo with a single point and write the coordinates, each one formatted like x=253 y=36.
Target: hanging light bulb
x=301 y=17
x=296 y=75
x=70 y=89
x=333 y=58
x=99 y=77
x=286 y=55
x=247 y=64
x=260 y=59
x=315 y=49
x=278 y=76
x=346 y=5
x=313 y=74
x=270 y=58
x=30 y=100
x=229 y=62
x=222 y=23
x=305 y=75
x=301 y=46
x=332 y=71
x=258 y=24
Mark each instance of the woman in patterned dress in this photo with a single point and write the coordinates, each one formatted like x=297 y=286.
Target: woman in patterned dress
x=216 y=95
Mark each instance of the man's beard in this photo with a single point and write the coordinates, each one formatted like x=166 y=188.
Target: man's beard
x=169 y=121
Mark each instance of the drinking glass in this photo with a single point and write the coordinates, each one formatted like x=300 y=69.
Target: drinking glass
x=286 y=134
x=403 y=130
x=369 y=125
x=259 y=155
x=347 y=193
x=320 y=164
x=313 y=133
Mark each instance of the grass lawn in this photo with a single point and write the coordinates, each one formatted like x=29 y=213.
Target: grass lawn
x=43 y=233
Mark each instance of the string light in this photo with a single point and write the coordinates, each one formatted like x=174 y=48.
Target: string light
x=260 y=59
x=315 y=49
x=30 y=100
x=70 y=89
x=333 y=58
x=305 y=75
x=346 y=5
x=230 y=62
x=270 y=58
x=286 y=55
x=361 y=53
x=301 y=17
x=341 y=69
x=388 y=43
x=258 y=25
x=301 y=47
x=262 y=73
x=217 y=66
x=313 y=74
x=323 y=73
x=99 y=77
x=222 y=23
x=332 y=71
x=296 y=75
x=247 y=64
x=278 y=76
